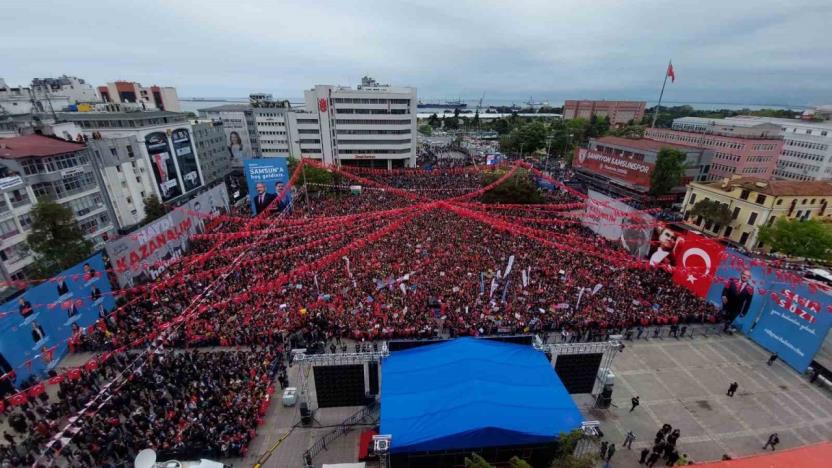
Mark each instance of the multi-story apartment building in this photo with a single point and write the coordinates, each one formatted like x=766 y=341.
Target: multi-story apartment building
x=36 y=168
x=755 y=202
x=740 y=147
x=162 y=98
x=139 y=154
x=20 y=100
x=623 y=167
x=373 y=125
x=214 y=157
x=619 y=112
x=74 y=89
x=807 y=148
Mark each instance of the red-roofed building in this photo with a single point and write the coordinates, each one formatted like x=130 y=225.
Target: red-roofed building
x=35 y=168
x=622 y=167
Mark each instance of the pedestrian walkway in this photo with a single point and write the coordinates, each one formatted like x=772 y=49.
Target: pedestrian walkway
x=684 y=383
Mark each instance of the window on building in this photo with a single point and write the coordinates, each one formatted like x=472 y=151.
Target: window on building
x=8 y=228
x=780 y=201
x=813 y=201
x=752 y=218
x=804 y=201
x=744 y=194
x=736 y=213
x=692 y=198
x=744 y=238
x=130 y=153
x=728 y=231
x=25 y=221
x=114 y=152
x=761 y=198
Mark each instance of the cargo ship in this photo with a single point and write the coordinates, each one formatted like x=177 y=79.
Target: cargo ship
x=458 y=104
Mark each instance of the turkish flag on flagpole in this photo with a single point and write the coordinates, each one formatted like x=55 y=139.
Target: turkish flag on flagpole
x=670 y=72
x=696 y=262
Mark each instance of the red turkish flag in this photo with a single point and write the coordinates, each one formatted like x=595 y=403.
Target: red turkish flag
x=18 y=399
x=697 y=260
x=671 y=73
x=37 y=390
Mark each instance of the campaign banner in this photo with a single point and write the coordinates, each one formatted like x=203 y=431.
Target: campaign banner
x=186 y=158
x=143 y=255
x=213 y=202
x=237 y=137
x=779 y=310
x=164 y=168
x=265 y=178
x=631 y=172
x=618 y=222
x=35 y=326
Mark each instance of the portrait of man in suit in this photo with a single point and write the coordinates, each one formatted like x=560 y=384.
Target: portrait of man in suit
x=736 y=297
x=262 y=199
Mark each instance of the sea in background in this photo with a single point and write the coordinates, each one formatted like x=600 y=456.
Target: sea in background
x=191 y=105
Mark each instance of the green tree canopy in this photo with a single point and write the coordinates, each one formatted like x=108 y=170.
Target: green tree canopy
x=476 y=461
x=313 y=176
x=434 y=121
x=519 y=188
x=807 y=239
x=153 y=208
x=670 y=167
x=712 y=210
x=55 y=240
x=526 y=138
x=426 y=129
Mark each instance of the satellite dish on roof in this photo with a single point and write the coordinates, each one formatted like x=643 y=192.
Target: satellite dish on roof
x=145 y=459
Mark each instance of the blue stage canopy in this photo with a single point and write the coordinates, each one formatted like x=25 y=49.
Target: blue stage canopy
x=471 y=393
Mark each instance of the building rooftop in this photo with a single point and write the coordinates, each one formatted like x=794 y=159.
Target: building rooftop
x=782 y=121
x=35 y=146
x=729 y=122
x=644 y=144
x=80 y=116
x=776 y=188
x=228 y=108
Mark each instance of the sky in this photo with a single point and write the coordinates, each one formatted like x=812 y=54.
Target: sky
x=735 y=51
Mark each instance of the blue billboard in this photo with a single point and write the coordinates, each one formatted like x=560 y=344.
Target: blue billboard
x=265 y=178
x=779 y=310
x=35 y=327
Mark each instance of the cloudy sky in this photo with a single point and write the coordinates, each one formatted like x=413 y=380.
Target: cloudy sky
x=735 y=51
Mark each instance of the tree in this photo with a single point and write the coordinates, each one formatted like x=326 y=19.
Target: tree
x=565 y=454
x=527 y=138
x=807 y=239
x=519 y=188
x=153 y=208
x=476 y=461
x=434 y=121
x=314 y=176
x=426 y=129
x=56 y=240
x=712 y=210
x=629 y=131
x=670 y=166
x=476 y=121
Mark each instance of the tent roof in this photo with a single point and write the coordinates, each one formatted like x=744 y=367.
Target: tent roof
x=810 y=456
x=470 y=393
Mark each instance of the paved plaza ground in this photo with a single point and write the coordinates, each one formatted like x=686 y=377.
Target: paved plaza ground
x=681 y=382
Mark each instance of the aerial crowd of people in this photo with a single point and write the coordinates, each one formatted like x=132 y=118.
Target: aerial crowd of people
x=446 y=265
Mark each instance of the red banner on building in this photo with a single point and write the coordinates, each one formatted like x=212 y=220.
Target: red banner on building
x=629 y=171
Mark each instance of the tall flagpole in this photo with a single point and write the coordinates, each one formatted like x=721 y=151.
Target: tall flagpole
x=659 y=105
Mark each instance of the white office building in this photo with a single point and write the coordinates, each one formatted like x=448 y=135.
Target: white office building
x=373 y=125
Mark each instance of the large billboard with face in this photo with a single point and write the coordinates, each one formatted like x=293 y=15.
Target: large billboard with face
x=619 y=222
x=186 y=158
x=237 y=137
x=628 y=171
x=210 y=203
x=780 y=310
x=266 y=177
x=35 y=327
x=164 y=168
